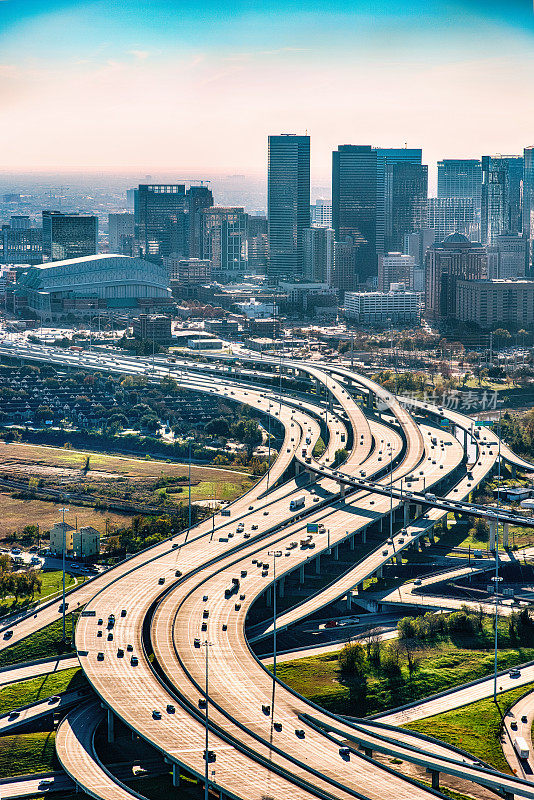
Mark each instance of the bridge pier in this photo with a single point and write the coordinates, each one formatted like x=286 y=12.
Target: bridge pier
x=111 y=726
x=506 y=534
x=268 y=597
x=175 y=775
x=435 y=778
x=370 y=400
x=368 y=752
x=301 y=574
x=335 y=551
x=379 y=572
x=398 y=558
x=364 y=535
x=349 y=600
x=352 y=542
x=342 y=490
x=318 y=565
x=282 y=586
x=513 y=470
x=406 y=514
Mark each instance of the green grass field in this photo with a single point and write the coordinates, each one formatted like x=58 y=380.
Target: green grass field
x=52 y=583
x=41 y=644
x=26 y=753
x=15 y=695
x=443 y=665
x=475 y=727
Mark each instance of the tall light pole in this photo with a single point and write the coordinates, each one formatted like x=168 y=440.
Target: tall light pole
x=269 y=444
x=275 y=554
x=189 y=492
x=497 y=579
x=390 y=490
x=207 y=645
x=63 y=510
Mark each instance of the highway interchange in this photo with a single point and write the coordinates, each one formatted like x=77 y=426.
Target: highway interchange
x=401 y=476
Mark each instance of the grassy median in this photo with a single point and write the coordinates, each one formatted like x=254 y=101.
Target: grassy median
x=44 y=643
x=475 y=727
x=24 y=693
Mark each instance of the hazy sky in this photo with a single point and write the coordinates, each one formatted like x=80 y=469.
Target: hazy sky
x=193 y=85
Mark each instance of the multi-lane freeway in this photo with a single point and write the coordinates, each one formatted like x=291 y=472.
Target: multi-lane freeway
x=178 y=665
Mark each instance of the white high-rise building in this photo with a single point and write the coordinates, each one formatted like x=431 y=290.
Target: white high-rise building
x=321 y=214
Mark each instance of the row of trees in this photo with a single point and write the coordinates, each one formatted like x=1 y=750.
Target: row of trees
x=23 y=584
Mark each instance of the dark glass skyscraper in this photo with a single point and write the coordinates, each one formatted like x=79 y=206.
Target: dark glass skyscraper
x=168 y=221
x=355 y=203
x=69 y=235
x=374 y=190
x=501 y=196
x=288 y=204
x=406 y=202
x=460 y=177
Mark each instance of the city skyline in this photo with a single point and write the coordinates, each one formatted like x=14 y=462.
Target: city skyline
x=383 y=76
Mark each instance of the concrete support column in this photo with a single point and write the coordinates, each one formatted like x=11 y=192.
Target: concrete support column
x=505 y=534
x=398 y=558
x=435 y=778
x=318 y=565
x=175 y=775
x=301 y=574
x=514 y=470
x=370 y=399
x=111 y=726
x=349 y=600
x=281 y=586
x=381 y=524
x=298 y=467
x=418 y=510
x=342 y=490
x=492 y=533
x=352 y=541
x=379 y=572
x=406 y=509
x=368 y=752
x=268 y=597
x=364 y=535
x=431 y=535
x=335 y=551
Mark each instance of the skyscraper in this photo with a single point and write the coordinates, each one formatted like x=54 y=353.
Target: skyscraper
x=167 y=220
x=528 y=201
x=288 y=204
x=69 y=235
x=406 y=201
x=258 y=247
x=121 y=231
x=376 y=192
x=321 y=214
x=460 y=177
x=355 y=208
x=224 y=242
x=447 y=215
x=501 y=196
x=318 y=254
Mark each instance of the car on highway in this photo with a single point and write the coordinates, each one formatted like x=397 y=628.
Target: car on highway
x=120 y=653
x=514 y=673
x=417 y=582
x=170 y=708
x=100 y=656
x=55 y=699
x=134 y=661
x=156 y=714
x=8 y=634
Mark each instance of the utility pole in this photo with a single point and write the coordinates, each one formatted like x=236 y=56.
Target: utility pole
x=207 y=645
x=275 y=554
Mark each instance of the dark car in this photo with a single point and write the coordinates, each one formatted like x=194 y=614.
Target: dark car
x=134 y=661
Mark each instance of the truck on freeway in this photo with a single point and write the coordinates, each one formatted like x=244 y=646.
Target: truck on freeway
x=521 y=747
x=298 y=502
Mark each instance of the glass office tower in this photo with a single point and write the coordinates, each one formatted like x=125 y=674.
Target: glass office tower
x=502 y=178
x=69 y=235
x=288 y=204
x=167 y=220
x=460 y=177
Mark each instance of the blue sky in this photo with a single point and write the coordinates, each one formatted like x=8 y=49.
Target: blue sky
x=200 y=84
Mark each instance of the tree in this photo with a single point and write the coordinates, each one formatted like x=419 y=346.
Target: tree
x=247 y=431
x=218 y=427
x=351 y=660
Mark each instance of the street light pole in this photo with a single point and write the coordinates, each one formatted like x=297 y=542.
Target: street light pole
x=63 y=568
x=189 y=485
x=207 y=645
x=275 y=554
x=390 y=490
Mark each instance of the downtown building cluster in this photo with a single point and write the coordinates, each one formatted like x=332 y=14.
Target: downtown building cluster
x=465 y=255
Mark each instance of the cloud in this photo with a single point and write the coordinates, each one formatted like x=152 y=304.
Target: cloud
x=140 y=55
